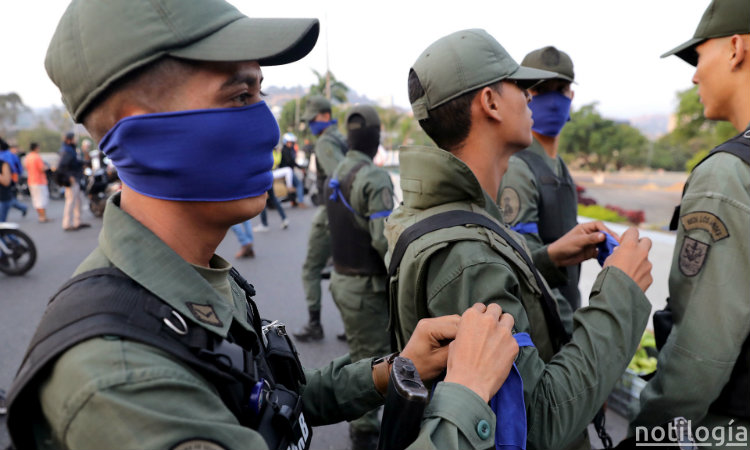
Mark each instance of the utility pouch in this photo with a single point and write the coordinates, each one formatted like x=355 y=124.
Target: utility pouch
x=281 y=420
x=281 y=355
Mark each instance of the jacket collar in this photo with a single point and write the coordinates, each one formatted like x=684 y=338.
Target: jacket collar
x=431 y=176
x=140 y=254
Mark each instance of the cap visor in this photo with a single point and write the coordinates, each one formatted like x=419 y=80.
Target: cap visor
x=528 y=77
x=269 y=41
x=308 y=116
x=686 y=51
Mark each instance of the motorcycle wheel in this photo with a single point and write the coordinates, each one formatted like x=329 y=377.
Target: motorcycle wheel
x=22 y=252
x=97 y=206
x=55 y=191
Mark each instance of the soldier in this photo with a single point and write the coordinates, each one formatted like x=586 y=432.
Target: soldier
x=359 y=199
x=329 y=151
x=470 y=97
x=704 y=368
x=156 y=343
x=537 y=195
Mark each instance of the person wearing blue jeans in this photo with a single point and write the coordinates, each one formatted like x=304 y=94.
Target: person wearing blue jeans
x=244 y=233
x=5 y=193
x=10 y=155
x=264 y=218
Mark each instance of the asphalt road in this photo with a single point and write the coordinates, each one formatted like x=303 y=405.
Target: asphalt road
x=275 y=272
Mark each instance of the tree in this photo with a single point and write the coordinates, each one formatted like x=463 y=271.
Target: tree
x=602 y=143
x=48 y=140
x=60 y=119
x=11 y=106
x=693 y=133
x=339 y=90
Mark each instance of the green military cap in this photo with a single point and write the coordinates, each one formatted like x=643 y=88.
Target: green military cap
x=722 y=18
x=462 y=62
x=97 y=42
x=551 y=59
x=367 y=112
x=315 y=105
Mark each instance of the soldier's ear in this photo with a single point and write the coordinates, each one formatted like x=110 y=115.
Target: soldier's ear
x=489 y=103
x=740 y=47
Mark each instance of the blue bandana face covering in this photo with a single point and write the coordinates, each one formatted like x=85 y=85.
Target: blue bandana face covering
x=317 y=127
x=550 y=111
x=201 y=155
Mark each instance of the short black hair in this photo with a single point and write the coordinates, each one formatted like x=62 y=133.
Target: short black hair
x=448 y=124
x=33 y=146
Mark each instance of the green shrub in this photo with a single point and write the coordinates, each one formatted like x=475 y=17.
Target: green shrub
x=599 y=212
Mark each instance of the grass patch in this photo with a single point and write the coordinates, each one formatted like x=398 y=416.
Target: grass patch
x=599 y=212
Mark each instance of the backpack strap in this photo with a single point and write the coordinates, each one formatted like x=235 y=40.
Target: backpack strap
x=457 y=217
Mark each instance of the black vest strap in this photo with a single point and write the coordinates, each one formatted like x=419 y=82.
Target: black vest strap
x=455 y=218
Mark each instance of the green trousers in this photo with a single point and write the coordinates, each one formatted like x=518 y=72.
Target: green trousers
x=318 y=252
x=364 y=311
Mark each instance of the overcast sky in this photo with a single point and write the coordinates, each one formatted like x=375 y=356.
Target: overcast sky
x=615 y=45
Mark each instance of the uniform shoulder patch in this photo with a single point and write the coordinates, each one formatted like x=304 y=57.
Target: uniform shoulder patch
x=510 y=204
x=693 y=255
x=205 y=314
x=703 y=220
x=386 y=196
x=198 y=444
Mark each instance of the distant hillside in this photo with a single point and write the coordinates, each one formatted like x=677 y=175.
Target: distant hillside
x=278 y=96
x=652 y=125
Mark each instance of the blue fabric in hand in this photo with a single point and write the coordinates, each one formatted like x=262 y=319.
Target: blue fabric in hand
x=605 y=248
x=509 y=407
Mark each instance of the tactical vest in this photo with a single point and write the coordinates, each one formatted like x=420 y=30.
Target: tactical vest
x=321 y=175
x=257 y=373
x=734 y=399
x=558 y=212
x=350 y=243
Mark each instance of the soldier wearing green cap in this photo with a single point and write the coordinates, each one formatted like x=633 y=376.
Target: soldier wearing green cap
x=156 y=342
x=537 y=195
x=704 y=367
x=359 y=198
x=329 y=151
x=470 y=97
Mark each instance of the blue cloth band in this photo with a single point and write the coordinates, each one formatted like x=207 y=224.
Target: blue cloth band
x=510 y=408
x=526 y=228
x=337 y=195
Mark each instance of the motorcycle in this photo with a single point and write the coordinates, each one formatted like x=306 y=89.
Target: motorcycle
x=101 y=184
x=17 y=250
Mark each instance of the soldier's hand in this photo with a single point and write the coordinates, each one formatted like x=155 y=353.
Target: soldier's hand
x=428 y=346
x=483 y=352
x=631 y=256
x=578 y=244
